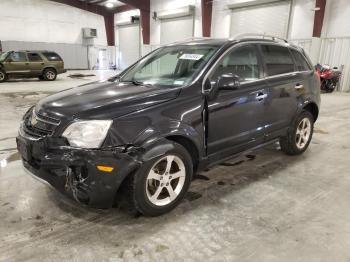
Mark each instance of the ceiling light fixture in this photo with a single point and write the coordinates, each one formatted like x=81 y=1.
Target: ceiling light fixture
x=109 y=5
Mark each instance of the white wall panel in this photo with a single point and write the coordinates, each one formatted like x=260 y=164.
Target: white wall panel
x=129 y=44
x=176 y=29
x=271 y=19
x=47 y=21
x=302 y=19
x=337 y=19
x=161 y=5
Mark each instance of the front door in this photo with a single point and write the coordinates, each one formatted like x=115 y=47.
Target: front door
x=17 y=64
x=235 y=117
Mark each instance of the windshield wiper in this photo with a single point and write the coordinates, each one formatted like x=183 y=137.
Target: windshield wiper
x=113 y=78
x=137 y=83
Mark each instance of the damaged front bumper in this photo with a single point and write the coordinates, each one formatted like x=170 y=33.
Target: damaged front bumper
x=74 y=172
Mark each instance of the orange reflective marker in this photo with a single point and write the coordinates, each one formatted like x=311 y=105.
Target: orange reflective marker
x=105 y=168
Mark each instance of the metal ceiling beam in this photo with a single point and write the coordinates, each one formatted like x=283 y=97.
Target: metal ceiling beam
x=207 y=8
x=320 y=8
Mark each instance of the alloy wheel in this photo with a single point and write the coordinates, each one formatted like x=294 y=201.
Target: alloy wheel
x=303 y=133
x=2 y=76
x=50 y=75
x=165 y=180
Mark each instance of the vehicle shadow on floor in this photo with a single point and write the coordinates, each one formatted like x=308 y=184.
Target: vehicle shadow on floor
x=208 y=188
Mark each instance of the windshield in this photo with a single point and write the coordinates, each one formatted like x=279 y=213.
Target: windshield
x=3 y=56
x=170 y=66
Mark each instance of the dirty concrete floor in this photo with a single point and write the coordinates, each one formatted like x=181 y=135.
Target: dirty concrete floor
x=263 y=207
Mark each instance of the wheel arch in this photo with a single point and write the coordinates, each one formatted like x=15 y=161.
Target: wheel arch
x=313 y=109
x=48 y=67
x=189 y=145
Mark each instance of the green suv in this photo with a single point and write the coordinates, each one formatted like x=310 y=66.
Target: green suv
x=45 y=65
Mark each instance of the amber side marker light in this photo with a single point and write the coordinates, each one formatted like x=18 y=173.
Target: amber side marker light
x=105 y=168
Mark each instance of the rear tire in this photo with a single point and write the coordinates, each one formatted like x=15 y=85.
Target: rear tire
x=3 y=76
x=299 y=134
x=50 y=74
x=161 y=183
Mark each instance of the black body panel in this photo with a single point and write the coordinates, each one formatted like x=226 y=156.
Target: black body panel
x=215 y=125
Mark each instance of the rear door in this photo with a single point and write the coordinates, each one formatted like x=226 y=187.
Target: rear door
x=235 y=117
x=17 y=64
x=284 y=82
x=36 y=63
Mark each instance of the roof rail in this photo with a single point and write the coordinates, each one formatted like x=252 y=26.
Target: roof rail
x=263 y=36
x=196 y=38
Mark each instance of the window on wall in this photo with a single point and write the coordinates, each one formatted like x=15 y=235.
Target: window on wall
x=34 y=57
x=18 y=57
x=300 y=61
x=278 y=60
x=242 y=62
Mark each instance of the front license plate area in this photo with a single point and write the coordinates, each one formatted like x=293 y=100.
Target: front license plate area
x=24 y=149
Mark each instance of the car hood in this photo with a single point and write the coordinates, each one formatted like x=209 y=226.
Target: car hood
x=104 y=100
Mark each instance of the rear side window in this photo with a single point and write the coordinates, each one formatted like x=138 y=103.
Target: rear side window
x=51 y=56
x=278 y=60
x=34 y=57
x=300 y=61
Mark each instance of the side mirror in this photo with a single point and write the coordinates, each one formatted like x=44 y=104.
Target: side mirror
x=228 y=82
x=9 y=60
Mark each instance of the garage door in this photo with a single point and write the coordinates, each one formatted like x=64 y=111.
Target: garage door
x=271 y=19
x=176 y=29
x=129 y=44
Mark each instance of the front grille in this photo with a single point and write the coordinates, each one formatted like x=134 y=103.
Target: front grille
x=37 y=125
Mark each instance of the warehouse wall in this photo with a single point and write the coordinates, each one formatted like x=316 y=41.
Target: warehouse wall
x=301 y=24
x=46 y=21
x=302 y=19
x=337 y=22
x=161 y=5
x=42 y=24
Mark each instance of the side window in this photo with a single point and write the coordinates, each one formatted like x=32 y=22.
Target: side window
x=242 y=61
x=278 y=59
x=300 y=61
x=34 y=57
x=51 y=56
x=18 y=57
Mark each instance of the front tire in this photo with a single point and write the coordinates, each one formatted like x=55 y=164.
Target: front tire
x=3 y=76
x=299 y=135
x=161 y=183
x=50 y=74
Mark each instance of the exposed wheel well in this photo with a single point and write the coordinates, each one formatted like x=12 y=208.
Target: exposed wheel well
x=190 y=147
x=313 y=109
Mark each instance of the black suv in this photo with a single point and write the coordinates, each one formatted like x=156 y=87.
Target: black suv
x=182 y=108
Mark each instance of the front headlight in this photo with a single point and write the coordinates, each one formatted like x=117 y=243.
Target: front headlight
x=87 y=134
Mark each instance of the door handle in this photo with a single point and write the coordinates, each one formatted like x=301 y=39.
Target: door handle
x=298 y=86
x=260 y=96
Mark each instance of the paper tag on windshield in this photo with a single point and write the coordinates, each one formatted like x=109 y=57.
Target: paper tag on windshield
x=191 y=56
